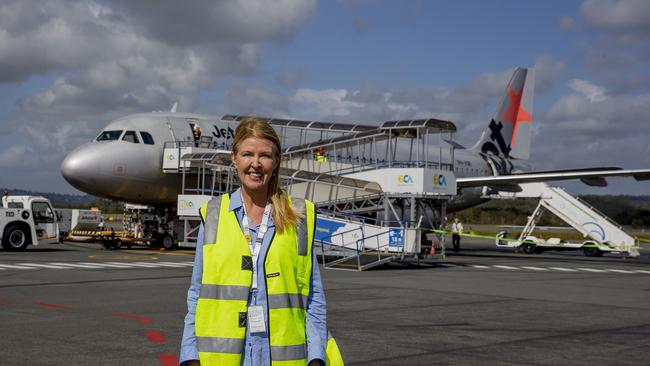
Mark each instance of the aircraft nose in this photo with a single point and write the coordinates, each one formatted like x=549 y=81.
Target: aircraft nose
x=78 y=169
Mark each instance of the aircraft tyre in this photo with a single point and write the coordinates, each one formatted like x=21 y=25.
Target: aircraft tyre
x=15 y=238
x=167 y=241
x=529 y=248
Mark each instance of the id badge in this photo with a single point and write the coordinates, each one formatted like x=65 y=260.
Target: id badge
x=256 y=319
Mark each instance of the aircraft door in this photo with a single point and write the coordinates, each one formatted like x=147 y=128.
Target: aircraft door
x=45 y=221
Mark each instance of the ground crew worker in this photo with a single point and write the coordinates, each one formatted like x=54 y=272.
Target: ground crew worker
x=197 y=135
x=320 y=155
x=5 y=199
x=256 y=296
x=101 y=225
x=456 y=229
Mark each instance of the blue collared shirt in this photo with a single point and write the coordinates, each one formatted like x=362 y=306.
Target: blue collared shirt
x=257 y=348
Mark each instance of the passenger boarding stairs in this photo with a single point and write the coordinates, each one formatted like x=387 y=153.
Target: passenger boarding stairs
x=360 y=245
x=389 y=175
x=580 y=215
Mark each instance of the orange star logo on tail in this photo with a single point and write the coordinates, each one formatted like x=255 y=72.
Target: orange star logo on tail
x=516 y=112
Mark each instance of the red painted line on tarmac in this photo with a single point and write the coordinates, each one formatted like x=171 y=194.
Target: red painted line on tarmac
x=139 y=319
x=53 y=306
x=156 y=336
x=168 y=360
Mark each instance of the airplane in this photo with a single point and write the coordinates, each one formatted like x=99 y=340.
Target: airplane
x=124 y=162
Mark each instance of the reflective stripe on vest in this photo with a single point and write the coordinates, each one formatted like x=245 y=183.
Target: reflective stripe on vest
x=283 y=301
x=226 y=283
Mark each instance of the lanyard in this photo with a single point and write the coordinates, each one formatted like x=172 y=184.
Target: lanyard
x=257 y=245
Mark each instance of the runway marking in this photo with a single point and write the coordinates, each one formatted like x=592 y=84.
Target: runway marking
x=619 y=270
x=54 y=306
x=95 y=265
x=168 y=264
x=168 y=360
x=78 y=265
x=51 y=266
x=564 y=269
x=534 y=268
x=115 y=265
x=591 y=270
x=504 y=267
x=139 y=319
x=561 y=269
x=10 y=266
x=135 y=264
x=156 y=336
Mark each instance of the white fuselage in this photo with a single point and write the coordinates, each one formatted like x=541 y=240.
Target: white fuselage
x=129 y=169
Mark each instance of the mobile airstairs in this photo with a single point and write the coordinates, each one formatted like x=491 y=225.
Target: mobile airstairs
x=375 y=187
x=602 y=235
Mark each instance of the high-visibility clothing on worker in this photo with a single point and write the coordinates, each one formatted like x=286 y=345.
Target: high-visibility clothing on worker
x=333 y=354
x=221 y=315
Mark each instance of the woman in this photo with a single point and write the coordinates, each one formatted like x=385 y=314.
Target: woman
x=256 y=296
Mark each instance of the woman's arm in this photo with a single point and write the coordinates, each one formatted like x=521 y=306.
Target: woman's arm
x=316 y=317
x=189 y=353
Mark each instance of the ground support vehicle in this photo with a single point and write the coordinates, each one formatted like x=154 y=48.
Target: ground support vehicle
x=602 y=235
x=149 y=226
x=532 y=244
x=28 y=220
x=112 y=239
x=77 y=224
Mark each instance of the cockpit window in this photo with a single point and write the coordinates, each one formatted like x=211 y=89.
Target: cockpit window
x=130 y=136
x=109 y=135
x=146 y=138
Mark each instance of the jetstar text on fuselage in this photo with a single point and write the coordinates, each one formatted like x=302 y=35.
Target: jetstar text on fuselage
x=223 y=133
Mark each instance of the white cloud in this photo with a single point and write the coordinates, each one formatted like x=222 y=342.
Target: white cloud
x=593 y=93
x=627 y=19
x=328 y=102
x=111 y=58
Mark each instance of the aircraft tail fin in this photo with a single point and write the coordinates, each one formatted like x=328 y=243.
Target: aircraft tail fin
x=509 y=132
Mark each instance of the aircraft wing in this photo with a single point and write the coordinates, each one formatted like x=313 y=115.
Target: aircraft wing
x=592 y=177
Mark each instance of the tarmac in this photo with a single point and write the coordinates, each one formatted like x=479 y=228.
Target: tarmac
x=73 y=304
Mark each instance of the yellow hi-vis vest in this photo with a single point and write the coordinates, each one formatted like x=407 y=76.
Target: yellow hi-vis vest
x=227 y=276
x=332 y=352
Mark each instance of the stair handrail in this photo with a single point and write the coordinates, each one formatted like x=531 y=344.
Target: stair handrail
x=378 y=249
x=343 y=245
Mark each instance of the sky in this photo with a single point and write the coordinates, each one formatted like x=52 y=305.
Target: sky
x=69 y=67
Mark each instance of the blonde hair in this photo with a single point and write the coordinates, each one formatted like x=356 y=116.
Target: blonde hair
x=283 y=214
